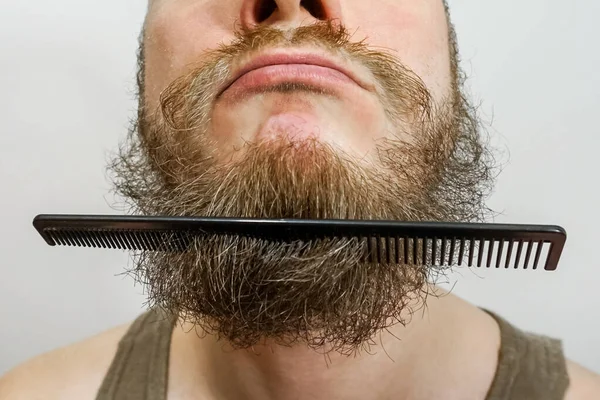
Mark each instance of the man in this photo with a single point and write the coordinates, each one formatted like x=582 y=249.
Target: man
x=302 y=109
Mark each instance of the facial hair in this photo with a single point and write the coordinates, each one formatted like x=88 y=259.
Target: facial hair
x=321 y=292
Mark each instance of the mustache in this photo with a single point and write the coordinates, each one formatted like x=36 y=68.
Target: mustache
x=323 y=34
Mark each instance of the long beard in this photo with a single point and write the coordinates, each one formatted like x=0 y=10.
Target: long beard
x=319 y=292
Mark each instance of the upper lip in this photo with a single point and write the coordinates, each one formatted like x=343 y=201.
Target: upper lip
x=280 y=57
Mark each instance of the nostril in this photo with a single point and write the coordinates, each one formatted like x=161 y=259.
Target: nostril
x=264 y=9
x=315 y=8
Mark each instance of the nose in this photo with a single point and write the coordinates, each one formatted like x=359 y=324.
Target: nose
x=288 y=13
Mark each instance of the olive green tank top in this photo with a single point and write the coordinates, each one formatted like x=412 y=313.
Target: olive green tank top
x=530 y=367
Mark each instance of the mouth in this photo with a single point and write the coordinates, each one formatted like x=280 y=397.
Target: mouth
x=308 y=69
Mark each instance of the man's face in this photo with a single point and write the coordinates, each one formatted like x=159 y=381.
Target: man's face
x=351 y=115
x=354 y=111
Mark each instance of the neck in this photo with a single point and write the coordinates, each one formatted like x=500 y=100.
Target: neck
x=399 y=361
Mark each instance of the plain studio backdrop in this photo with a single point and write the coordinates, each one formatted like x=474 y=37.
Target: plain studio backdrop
x=67 y=82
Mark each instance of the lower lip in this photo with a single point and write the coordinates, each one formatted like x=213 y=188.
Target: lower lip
x=272 y=75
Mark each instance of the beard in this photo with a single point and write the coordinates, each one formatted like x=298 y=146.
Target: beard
x=434 y=167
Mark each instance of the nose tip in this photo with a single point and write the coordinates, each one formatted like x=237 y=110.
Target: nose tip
x=289 y=13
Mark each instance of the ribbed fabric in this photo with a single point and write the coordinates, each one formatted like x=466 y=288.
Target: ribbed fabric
x=530 y=367
x=140 y=367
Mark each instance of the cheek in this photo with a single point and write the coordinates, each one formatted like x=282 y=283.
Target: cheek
x=177 y=37
x=416 y=34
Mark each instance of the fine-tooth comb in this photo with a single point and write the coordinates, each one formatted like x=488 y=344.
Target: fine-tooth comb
x=386 y=242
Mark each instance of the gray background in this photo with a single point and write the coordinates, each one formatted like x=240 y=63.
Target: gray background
x=66 y=80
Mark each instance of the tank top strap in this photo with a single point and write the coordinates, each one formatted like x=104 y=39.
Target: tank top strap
x=530 y=367
x=139 y=370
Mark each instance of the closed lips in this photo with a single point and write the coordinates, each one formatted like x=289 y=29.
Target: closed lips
x=273 y=69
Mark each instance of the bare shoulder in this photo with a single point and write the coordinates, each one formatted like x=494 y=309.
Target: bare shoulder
x=72 y=372
x=585 y=385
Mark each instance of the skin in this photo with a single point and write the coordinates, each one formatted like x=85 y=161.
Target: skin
x=416 y=32
x=177 y=32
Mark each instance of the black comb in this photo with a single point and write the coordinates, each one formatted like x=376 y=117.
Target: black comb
x=386 y=242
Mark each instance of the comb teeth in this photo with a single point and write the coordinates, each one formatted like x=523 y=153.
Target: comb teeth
x=381 y=250
x=121 y=239
x=477 y=252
